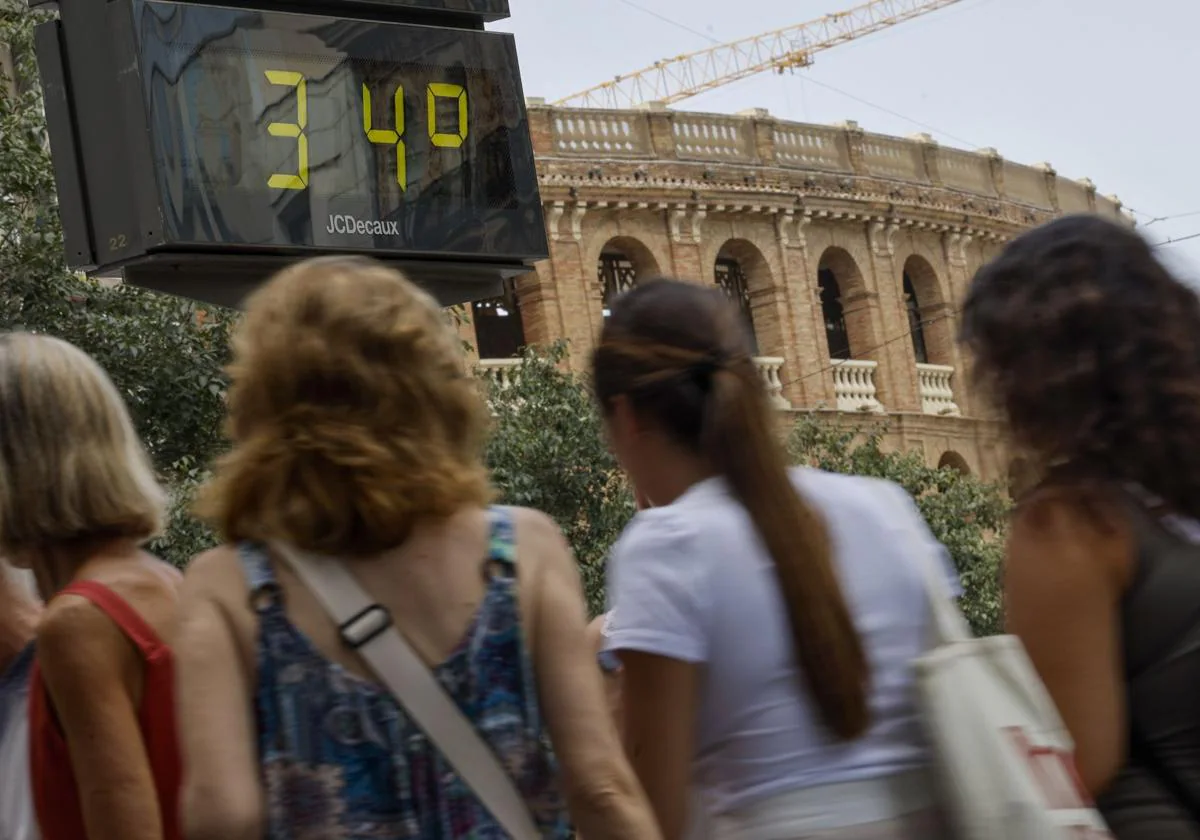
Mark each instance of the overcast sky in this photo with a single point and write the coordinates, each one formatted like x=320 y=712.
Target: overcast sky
x=1099 y=88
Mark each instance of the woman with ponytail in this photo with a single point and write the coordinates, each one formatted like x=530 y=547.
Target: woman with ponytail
x=766 y=619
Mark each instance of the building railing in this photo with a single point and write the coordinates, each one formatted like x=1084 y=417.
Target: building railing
x=503 y=372
x=937 y=392
x=769 y=368
x=757 y=138
x=500 y=371
x=854 y=386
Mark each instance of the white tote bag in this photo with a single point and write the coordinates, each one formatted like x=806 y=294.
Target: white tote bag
x=1002 y=755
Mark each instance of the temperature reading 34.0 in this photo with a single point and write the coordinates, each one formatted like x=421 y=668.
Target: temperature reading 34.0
x=435 y=93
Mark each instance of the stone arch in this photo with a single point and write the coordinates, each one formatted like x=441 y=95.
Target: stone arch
x=622 y=262
x=930 y=324
x=743 y=273
x=952 y=460
x=845 y=305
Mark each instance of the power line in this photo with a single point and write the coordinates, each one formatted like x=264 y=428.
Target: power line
x=1175 y=240
x=1158 y=219
x=870 y=350
x=1151 y=218
x=807 y=77
x=890 y=112
x=666 y=19
x=922 y=325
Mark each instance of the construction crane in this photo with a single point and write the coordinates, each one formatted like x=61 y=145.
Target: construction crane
x=675 y=79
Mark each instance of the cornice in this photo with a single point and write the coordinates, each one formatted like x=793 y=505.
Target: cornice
x=686 y=220
x=801 y=191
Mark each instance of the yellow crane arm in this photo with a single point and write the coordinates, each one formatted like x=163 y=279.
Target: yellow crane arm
x=675 y=79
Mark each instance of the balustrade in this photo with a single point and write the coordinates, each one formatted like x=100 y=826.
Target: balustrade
x=769 y=368
x=854 y=386
x=720 y=138
x=937 y=393
x=504 y=371
x=500 y=371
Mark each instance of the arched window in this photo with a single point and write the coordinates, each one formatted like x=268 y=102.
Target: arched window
x=732 y=281
x=953 y=461
x=617 y=274
x=916 y=326
x=836 y=334
x=498 y=328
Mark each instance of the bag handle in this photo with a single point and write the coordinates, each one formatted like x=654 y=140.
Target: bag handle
x=367 y=628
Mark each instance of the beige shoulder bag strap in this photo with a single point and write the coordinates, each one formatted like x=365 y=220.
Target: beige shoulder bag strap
x=367 y=627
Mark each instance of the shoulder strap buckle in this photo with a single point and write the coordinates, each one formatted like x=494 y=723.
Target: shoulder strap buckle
x=365 y=625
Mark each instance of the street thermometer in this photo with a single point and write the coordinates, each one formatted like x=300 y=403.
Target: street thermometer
x=198 y=147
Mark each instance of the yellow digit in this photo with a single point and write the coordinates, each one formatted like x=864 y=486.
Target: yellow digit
x=386 y=137
x=298 y=181
x=442 y=139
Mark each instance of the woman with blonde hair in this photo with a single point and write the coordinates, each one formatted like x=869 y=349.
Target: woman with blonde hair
x=78 y=499
x=357 y=440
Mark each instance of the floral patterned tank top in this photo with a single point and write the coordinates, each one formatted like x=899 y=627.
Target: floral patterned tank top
x=342 y=761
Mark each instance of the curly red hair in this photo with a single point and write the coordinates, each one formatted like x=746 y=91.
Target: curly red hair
x=350 y=413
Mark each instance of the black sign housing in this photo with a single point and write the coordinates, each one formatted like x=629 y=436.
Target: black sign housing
x=198 y=148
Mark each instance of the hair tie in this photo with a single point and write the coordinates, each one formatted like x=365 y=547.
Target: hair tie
x=709 y=365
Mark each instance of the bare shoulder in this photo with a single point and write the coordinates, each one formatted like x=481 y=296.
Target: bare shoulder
x=1073 y=514
x=76 y=637
x=1067 y=529
x=537 y=526
x=541 y=545
x=216 y=573
x=548 y=573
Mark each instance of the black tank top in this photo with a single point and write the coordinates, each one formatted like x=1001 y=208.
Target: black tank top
x=1156 y=795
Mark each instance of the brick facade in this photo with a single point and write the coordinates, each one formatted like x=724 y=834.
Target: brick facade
x=673 y=193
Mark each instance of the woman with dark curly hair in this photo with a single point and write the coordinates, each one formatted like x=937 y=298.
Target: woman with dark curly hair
x=1090 y=348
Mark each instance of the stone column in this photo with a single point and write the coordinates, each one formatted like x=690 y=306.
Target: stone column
x=956 y=244
x=896 y=378
x=805 y=383
x=569 y=301
x=686 y=226
x=537 y=294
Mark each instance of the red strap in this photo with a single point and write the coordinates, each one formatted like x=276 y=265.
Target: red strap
x=117 y=608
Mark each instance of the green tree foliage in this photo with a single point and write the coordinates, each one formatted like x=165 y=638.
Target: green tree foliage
x=966 y=515
x=548 y=452
x=164 y=353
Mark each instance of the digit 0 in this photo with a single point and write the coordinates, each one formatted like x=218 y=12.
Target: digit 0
x=388 y=137
x=442 y=139
x=299 y=181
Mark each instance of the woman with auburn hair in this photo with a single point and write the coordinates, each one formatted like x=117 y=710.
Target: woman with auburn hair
x=357 y=437
x=766 y=619
x=1090 y=348
x=78 y=500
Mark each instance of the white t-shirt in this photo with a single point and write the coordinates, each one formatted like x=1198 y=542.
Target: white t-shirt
x=692 y=581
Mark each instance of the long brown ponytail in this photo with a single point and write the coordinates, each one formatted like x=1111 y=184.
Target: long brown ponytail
x=678 y=352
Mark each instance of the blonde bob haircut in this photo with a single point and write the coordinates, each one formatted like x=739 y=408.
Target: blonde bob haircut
x=72 y=468
x=350 y=413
